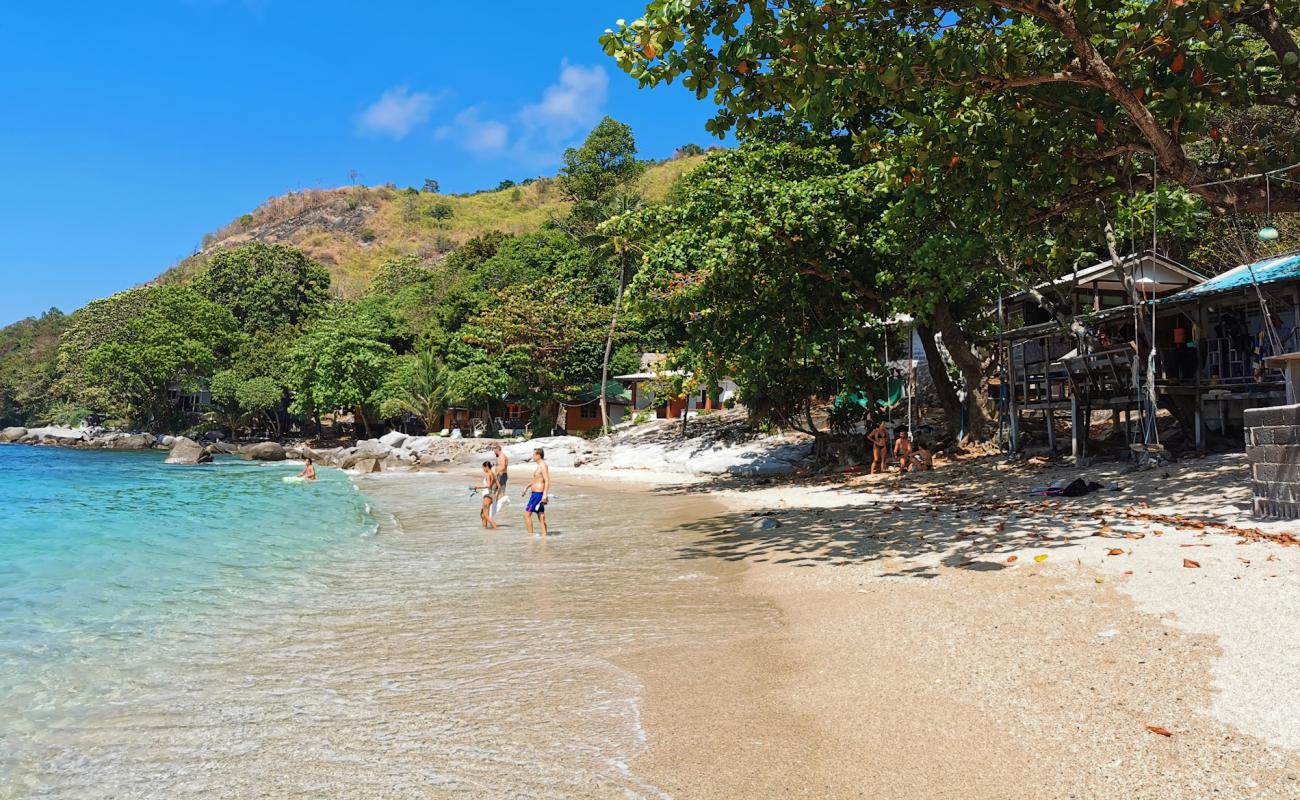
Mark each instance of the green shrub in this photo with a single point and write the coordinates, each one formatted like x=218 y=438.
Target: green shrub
x=441 y=211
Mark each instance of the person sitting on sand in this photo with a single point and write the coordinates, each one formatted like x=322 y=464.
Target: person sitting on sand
x=879 y=438
x=538 y=492
x=903 y=450
x=308 y=472
x=922 y=459
x=490 y=488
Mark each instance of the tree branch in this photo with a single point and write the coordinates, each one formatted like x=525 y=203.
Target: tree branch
x=1265 y=22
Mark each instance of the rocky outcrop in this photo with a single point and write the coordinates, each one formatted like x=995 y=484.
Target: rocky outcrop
x=187 y=451
x=126 y=441
x=12 y=435
x=263 y=451
x=393 y=439
x=54 y=435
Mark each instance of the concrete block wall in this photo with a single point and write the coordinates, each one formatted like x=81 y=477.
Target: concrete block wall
x=1273 y=449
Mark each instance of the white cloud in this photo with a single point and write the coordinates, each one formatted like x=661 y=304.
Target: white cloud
x=569 y=106
x=481 y=136
x=396 y=113
x=537 y=132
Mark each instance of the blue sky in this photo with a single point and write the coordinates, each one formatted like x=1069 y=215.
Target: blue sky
x=128 y=130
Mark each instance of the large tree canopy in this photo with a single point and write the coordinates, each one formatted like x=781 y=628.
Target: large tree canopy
x=124 y=353
x=266 y=286
x=1053 y=103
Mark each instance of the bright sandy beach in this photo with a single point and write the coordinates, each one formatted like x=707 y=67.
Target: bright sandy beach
x=922 y=649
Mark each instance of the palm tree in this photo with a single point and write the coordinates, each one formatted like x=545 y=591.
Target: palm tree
x=620 y=250
x=424 y=392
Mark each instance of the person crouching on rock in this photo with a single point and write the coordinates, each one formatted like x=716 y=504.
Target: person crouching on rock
x=922 y=459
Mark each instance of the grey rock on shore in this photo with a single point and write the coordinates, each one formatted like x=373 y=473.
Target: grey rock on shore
x=12 y=434
x=187 y=451
x=54 y=435
x=263 y=451
x=125 y=441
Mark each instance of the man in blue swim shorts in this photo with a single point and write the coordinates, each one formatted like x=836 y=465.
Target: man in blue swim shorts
x=538 y=492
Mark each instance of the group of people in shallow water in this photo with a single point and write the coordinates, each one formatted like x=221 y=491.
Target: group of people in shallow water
x=497 y=475
x=910 y=456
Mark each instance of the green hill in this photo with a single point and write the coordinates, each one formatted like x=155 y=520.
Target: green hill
x=353 y=230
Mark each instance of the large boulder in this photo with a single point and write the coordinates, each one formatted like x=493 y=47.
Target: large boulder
x=365 y=466
x=130 y=441
x=418 y=444
x=12 y=434
x=372 y=448
x=54 y=435
x=223 y=449
x=393 y=439
x=187 y=451
x=263 y=451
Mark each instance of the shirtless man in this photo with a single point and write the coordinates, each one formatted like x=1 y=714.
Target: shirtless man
x=879 y=438
x=903 y=451
x=503 y=477
x=538 y=492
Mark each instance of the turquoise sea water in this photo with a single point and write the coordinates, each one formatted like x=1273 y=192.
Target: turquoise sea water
x=102 y=555
x=212 y=632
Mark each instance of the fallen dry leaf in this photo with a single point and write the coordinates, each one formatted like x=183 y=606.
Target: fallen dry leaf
x=1128 y=572
x=1194 y=545
x=1190 y=564
x=1041 y=558
x=1011 y=559
x=1114 y=551
x=1135 y=536
x=1105 y=529
x=1001 y=526
x=1159 y=731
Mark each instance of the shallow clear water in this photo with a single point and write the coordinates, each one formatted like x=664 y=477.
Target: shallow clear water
x=213 y=632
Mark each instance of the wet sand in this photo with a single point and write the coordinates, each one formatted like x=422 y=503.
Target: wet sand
x=923 y=652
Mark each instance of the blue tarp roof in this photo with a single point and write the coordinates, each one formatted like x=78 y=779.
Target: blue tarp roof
x=1270 y=270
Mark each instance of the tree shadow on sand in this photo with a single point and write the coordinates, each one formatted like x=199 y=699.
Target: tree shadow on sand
x=915 y=535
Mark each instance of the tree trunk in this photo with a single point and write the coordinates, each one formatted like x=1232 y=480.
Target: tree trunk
x=609 y=345
x=361 y=413
x=971 y=367
x=943 y=387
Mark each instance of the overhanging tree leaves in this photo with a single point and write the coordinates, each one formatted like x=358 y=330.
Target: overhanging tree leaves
x=1058 y=103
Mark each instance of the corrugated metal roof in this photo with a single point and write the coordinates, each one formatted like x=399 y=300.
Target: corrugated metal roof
x=1270 y=270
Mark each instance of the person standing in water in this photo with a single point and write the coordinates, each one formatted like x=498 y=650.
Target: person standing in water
x=538 y=492
x=503 y=477
x=308 y=472
x=490 y=488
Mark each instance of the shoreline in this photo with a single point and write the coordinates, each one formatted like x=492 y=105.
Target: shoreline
x=870 y=636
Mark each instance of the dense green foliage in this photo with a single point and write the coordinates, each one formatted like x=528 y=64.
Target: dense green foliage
x=29 y=367
x=125 y=355
x=902 y=157
x=1037 y=106
x=266 y=286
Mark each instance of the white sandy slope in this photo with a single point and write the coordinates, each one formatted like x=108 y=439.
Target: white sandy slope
x=1246 y=595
